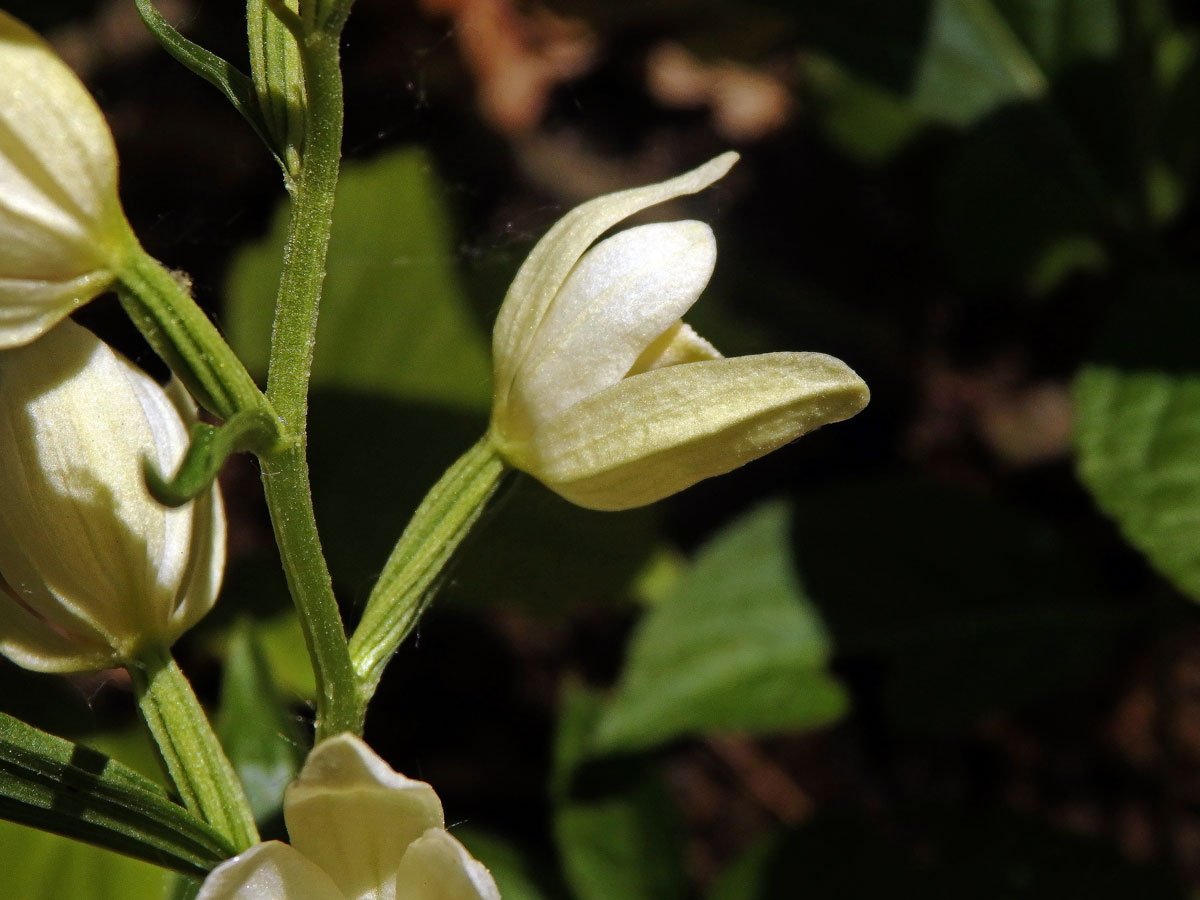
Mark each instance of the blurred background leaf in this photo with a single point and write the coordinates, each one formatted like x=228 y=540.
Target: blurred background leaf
x=616 y=830
x=258 y=731
x=737 y=646
x=394 y=321
x=40 y=865
x=1138 y=423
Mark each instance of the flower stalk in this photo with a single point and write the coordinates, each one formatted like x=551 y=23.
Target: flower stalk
x=161 y=306
x=193 y=756
x=439 y=525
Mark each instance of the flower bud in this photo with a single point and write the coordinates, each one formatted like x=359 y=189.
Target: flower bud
x=359 y=831
x=92 y=569
x=62 y=231
x=606 y=396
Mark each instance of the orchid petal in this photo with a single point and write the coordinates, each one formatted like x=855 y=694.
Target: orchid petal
x=555 y=255
x=270 y=871
x=82 y=543
x=355 y=817
x=678 y=344
x=659 y=432
x=30 y=641
x=624 y=293
x=438 y=867
x=62 y=231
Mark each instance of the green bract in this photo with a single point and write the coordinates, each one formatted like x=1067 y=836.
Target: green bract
x=359 y=831
x=62 y=231
x=606 y=396
x=93 y=571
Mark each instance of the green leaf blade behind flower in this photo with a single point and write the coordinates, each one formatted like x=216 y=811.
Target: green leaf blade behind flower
x=257 y=730
x=224 y=76
x=617 y=831
x=952 y=62
x=1138 y=439
x=41 y=866
x=973 y=62
x=1137 y=424
x=394 y=319
x=738 y=647
x=68 y=789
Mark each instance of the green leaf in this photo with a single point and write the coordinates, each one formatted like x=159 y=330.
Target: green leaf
x=738 y=647
x=256 y=728
x=225 y=77
x=68 y=789
x=280 y=638
x=973 y=62
x=862 y=118
x=1138 y=439
x=35 y=865
x=955 y=61
x=1062 y=33
x=617 y=830
x=981 y=54
x=1137 y=425
x=394 y=320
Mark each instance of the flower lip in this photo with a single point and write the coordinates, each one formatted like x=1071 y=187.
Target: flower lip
x=656 y=433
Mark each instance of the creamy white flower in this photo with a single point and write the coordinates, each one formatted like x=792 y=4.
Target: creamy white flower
x=62 y=231
x=606 y=396
x=359 y=831
x=92 y=568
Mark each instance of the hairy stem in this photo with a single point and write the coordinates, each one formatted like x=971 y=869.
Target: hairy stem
x=285 y=473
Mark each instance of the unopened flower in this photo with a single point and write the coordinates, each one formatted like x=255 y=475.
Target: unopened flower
x=359 y=831
x=606 y=396
x=92 y=569
x=62 y=231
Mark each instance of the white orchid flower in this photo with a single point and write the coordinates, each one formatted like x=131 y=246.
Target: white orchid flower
x=92 y=569
x=62 y=231
x=359 y=831
x=606 y=396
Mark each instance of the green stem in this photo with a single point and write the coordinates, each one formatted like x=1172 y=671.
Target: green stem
x=195 y=761
x=161 y=305
x=436 y=529
x=285 y=474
